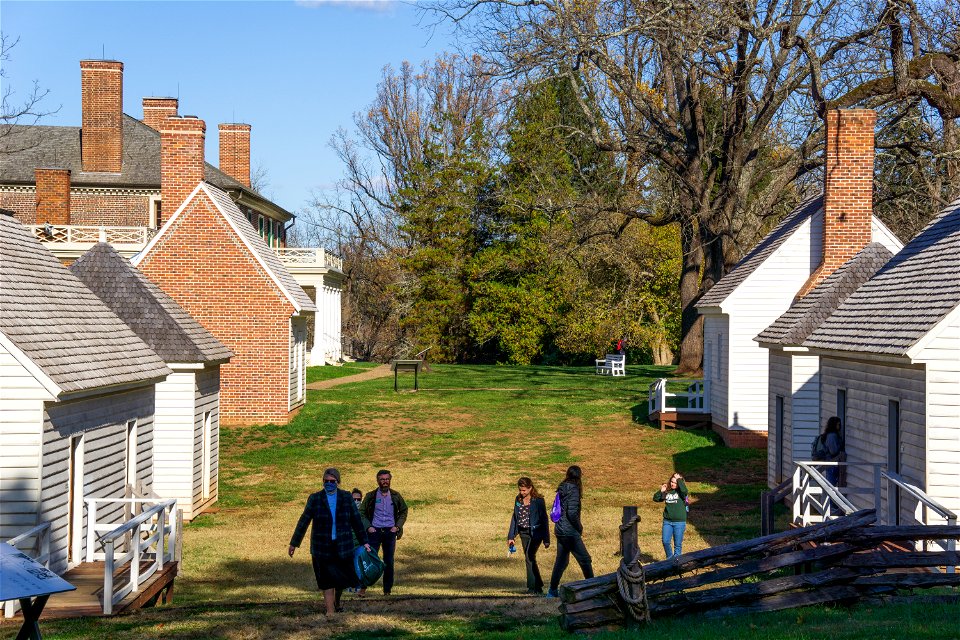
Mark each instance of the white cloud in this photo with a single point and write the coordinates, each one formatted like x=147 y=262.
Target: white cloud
x=378 y=6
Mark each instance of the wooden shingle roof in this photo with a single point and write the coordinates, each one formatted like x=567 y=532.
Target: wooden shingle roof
x=913 y=292
x=145 y=308
x=57 y=323
x=812 y=310
x=758 y=255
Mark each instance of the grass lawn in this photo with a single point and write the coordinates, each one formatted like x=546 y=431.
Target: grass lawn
x=317 y=374
x=456 y=449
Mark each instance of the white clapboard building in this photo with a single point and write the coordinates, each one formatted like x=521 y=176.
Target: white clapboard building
x=187 y=423
x=890 y=368
x=821 y=234
x=77 y=400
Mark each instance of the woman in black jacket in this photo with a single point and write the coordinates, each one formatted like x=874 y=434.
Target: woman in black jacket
x=530 y=522
x=568 y=531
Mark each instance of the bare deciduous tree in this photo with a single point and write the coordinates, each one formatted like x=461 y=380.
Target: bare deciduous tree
x=717 y=105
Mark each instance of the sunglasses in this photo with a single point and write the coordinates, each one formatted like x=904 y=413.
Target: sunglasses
x=358 y=500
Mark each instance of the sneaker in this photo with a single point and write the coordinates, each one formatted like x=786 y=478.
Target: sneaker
x=553 y=594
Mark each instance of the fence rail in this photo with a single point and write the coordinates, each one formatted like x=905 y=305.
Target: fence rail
x=696 y=398
x=149 y=537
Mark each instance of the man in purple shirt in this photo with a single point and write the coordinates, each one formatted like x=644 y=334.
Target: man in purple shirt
x=384 y=512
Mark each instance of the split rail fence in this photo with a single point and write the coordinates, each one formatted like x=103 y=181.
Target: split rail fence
x=840 y=560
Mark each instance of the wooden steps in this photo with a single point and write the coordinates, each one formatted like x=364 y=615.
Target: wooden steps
x=87 y=600
x=679 y=418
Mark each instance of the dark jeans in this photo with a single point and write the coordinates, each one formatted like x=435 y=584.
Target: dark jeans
x=387 y=539
x=534 y=581
x=565 y=546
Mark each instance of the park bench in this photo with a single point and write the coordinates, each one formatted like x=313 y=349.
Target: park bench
x=612 y=364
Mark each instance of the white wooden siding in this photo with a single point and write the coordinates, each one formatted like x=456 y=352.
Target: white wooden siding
x=762 y=298
x=715 y=332
x=780 y=385
x=942 y=360
x=21 y=425
x=173 y=438
x=207 y=398
x=103 y=421
x=805 y=405
x=880 y=233
x=870 y=386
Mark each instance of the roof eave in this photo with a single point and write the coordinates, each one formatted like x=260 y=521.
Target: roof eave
x=247 y=198
x=113 y=388
x=883 y=358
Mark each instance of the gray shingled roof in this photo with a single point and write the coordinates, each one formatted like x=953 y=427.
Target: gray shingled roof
x=267 y=255
x=905 y=299
x=27 y=147
x=752 y=261
x=810 y=311
x=151 y=313
x=59 y=324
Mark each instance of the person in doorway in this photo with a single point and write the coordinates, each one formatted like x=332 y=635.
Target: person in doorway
x=332 y=516
x=833 y=443
x=530 y=522
x=673 y=493
x=384 y=512
x=568 y=530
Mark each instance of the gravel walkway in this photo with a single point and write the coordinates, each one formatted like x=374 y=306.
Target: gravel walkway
x=377 y=372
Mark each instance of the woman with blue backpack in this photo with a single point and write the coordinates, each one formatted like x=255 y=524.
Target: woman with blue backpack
x=530 y=523
x=568 y=530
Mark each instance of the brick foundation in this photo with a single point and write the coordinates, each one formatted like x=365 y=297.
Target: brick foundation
x=741 y=438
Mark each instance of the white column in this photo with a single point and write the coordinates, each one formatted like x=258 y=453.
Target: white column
x=337 y=326
x=316 y=353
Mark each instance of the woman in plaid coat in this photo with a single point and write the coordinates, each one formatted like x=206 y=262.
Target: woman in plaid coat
x=335 y=520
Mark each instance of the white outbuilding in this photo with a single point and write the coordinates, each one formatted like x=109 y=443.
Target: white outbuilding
x=187 y=424
x=821 y=234
x=77 y=400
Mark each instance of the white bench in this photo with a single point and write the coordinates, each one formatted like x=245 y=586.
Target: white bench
x=612 y=364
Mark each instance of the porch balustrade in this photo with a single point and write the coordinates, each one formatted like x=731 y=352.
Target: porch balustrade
x=146 y=542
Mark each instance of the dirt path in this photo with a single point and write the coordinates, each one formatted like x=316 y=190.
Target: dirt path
x=377 y=372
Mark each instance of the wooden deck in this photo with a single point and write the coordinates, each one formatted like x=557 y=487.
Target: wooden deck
x=681 y=418
x=87 y=600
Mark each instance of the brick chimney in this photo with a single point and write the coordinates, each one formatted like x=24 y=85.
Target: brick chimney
x=235 y=152
x=847 y=189
x=53 y=195
x=181 y=159
x=101 y=138
x=155 y=110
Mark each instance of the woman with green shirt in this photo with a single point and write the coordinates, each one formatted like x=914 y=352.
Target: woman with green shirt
x=673 y=494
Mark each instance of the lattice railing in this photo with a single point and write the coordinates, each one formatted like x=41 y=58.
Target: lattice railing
x=309 y=256
x=81 y=234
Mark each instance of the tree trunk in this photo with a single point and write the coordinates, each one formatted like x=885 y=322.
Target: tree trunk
x=691 y=326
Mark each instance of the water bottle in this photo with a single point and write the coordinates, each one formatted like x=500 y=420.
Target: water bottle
x=513 y=548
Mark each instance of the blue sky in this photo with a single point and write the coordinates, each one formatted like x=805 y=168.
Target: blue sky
x=295 y=71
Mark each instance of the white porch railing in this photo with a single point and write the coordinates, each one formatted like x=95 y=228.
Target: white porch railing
x=82 y=235
x=35 y=543
x=695 y=400
x=309 y=257
x=815 y=499
x=150 y=537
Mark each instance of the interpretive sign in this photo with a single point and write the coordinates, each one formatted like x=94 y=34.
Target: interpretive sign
x=23 y=578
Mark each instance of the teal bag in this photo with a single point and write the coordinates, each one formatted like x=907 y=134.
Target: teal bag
x=367 y=565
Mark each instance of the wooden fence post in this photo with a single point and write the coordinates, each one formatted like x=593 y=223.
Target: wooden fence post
x=629 y=545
